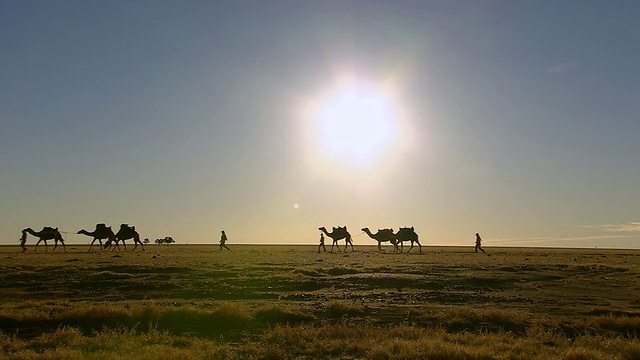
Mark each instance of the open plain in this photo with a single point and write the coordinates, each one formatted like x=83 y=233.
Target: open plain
x=268 y=302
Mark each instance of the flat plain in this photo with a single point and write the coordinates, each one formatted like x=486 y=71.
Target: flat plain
x=449 y=301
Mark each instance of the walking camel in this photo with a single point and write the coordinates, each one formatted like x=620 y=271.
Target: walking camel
x=47 y=233
x=407 y=234
x=102 y=231
x=337 y=234
x=383 y=235
x=126 y=232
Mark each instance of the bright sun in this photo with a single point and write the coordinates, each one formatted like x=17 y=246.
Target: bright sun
x=356 y=122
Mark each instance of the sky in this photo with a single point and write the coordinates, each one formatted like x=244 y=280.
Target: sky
x=269 y=119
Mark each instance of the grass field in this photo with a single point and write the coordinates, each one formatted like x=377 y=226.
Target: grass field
x=280 y=302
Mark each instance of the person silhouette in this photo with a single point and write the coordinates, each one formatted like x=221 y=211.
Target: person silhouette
x=321 y=244
x=479 y=243
x=223 y=240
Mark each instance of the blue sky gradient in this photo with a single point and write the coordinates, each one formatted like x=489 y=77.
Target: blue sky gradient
x=184 y=118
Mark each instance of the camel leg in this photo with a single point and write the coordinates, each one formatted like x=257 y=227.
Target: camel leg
x=410 y=247
x=94 y=240
x=418 y=242
x=36 y=248
x=111 y=244
x=56 y=245
x=23 y=240
x=137 y=241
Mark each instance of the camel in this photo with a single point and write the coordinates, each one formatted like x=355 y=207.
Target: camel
x=383 y=235
x=337 y=234
x=47 y=233
x=407 y=234
x=102 y=232
x=126 y=232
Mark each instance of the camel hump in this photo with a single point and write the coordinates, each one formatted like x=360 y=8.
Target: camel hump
x=49 y=228
x=127 y=227
x=101 y=226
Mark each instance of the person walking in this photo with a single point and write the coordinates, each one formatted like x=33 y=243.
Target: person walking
x=321 y=244
x=223 y=240
x=479 y=243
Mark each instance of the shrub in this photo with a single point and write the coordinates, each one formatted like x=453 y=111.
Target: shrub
x=186 y=319
x=338 y=309
x=276 y=315
x=581 y=354
x=465 y=319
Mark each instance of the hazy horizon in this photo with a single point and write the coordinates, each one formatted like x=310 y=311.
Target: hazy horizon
x=513 y=119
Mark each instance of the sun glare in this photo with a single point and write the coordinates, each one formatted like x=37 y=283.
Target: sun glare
x=356 y=123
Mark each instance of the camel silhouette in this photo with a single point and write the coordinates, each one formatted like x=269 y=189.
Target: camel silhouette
x=47 y=233
x=126 y=232
x=102 y=231
x=383 y=235
x=407 y=234
x=338 y=233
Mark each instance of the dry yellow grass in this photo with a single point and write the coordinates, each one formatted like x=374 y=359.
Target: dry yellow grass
x=276 y=302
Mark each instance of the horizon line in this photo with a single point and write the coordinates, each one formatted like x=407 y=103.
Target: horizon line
x=375 y=246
